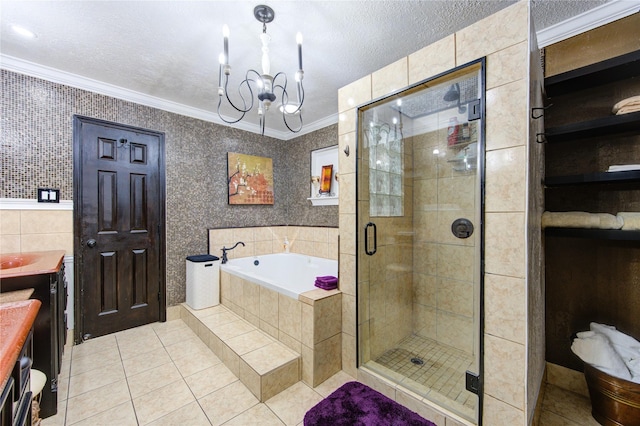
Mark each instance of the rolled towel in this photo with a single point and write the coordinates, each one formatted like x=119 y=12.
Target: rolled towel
x=631 y=221
x=626 y=106
x=581 y=220
x=596 y=349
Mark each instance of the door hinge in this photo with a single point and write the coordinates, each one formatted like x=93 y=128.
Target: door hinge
x=472 y=382
x=474 y=110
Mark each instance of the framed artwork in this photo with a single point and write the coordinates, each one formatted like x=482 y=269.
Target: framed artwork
x=325 y=179
x=249 y=179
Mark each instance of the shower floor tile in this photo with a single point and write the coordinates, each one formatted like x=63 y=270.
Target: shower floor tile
x=440 y=377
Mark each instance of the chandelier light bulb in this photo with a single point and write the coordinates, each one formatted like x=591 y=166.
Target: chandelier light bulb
x=299 y=41
x=268 y=87
x=225 y=34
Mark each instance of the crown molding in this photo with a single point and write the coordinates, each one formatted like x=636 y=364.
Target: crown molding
x=586 y=21
x=596 y=17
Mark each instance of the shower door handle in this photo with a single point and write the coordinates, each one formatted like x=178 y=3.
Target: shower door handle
x=370 y=225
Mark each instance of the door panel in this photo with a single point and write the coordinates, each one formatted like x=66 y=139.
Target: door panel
x=119 y=226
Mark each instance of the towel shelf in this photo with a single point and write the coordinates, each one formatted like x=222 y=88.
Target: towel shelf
x=595 y=234
x=610 y=126
x=630 y=176
x=605 y=72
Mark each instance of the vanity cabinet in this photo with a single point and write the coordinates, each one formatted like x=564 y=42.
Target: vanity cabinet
x=49 y=331
x=591 y=274
x=16 y=354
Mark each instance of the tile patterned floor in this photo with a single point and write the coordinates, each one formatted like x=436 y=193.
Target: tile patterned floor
x=162 y=374
x=441 y=375
x=561 y=407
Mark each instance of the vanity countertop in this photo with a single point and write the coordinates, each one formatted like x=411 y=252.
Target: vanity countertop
x=30 y=263
x=16 y=319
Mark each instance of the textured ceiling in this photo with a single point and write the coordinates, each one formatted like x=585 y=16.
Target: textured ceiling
x=169 y=49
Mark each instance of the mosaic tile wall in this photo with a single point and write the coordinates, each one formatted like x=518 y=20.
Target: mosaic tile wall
x=36 y=140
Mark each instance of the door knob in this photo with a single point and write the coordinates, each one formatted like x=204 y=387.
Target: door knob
x=91 y=243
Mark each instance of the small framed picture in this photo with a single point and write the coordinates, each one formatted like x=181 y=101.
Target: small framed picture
x=325 y=179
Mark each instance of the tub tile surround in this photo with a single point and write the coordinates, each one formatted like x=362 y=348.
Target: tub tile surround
x=310 y=241
x=502 y=38
x=309 y=326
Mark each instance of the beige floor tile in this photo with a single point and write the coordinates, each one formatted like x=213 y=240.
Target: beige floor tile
x=219 y=319
x=202 y=313
x=144 y=362
x=169 y=325
x=332 y=383
x=121 y=415
x=569 y=405
x=233 y=329
x=187 y=347
x=96 y=378
x=189 y=415
x=269 y=357
x=196 y=362
x=176 y=335
x=249 y=341
x=135 y=334
x=93 y=360
x=226 y=403
x=63 y=387
x=163 y=401
x=98 y=344
x=547 y=418
x=96 y=401
x=210 y=380
x=138 y=346
x=291 y=404
x=257 y=415
x=153 y=379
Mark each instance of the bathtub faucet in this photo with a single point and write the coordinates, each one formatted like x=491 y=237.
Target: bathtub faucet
x=225 y=250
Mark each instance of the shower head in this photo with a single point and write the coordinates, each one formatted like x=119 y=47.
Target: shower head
x=453 y=94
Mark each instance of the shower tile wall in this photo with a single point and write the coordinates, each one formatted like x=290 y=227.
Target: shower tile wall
x=443 y=303
x=513 y=352
x=36 y=143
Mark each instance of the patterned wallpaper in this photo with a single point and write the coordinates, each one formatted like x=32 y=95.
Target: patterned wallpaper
x=36 y=144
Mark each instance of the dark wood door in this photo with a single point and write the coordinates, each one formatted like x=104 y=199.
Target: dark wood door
x=119 y=233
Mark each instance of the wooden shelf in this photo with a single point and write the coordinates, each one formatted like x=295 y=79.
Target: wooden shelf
x=609 y=71
x=596 y=234
x=612 y=125
x=605 y=177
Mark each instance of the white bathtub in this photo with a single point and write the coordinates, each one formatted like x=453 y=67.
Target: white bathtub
x=287 y=273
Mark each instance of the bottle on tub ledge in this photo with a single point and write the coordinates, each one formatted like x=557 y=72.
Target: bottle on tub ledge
x=286 y=245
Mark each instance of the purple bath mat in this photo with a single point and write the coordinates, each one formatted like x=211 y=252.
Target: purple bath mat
x=356 y=404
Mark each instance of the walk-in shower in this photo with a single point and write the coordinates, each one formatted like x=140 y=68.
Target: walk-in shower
x=419 y=182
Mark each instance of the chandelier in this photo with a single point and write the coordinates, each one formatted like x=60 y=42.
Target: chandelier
x=263 y=84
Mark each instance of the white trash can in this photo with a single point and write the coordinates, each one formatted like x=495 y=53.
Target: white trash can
x=203 y=281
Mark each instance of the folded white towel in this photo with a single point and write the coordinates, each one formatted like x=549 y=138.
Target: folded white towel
x=630 y=221
x=581 y=220
x=623 y=167
x=626 y=106
x=596 y=349
x=626 y=346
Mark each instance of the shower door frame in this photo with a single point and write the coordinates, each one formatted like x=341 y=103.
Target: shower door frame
x=480 y=174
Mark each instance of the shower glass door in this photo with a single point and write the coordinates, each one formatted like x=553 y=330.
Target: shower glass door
x=419 y=177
